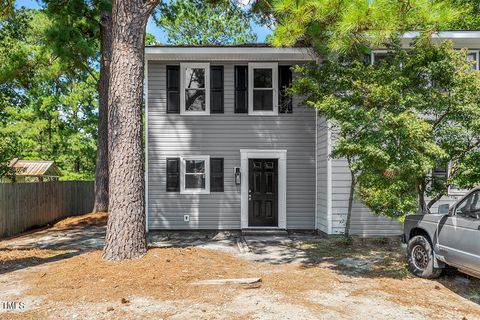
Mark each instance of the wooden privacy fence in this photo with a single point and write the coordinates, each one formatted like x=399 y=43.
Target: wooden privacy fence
x=27 y=205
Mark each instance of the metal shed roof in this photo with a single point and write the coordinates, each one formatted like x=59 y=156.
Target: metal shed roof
x=35 y=168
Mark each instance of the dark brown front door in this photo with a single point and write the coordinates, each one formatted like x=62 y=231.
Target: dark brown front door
x=263 y=192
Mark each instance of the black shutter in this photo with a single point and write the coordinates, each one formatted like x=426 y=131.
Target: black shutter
x=173 y=89
x=216 y=174
x=216 y=89
x=241 y=89
x=173 y=174
x=284 y=81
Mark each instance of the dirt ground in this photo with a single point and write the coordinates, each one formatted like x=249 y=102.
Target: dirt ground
x=332 y=280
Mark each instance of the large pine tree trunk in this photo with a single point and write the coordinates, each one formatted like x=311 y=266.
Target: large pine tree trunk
x=101 y=174
x=126 y=235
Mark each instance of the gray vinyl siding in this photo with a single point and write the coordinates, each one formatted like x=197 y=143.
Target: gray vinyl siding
x=223 y=135
x=322 y=175
x=364 y=222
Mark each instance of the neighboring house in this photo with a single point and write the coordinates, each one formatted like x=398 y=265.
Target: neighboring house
x=228 y=149
x=35 y=170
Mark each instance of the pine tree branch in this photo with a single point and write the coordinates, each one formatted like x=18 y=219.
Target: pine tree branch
x=150 y=5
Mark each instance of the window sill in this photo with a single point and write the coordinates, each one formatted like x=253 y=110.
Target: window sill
x=195 y=113
x=195 y=191
x=263 y=113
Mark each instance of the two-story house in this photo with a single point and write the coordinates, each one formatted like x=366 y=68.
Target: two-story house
x=227 y=148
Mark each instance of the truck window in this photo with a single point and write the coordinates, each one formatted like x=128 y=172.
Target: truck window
x=470 y=206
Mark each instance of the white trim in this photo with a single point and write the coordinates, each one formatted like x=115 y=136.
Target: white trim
x=226 y=53
x=452 y=191
x=476 y=52
x=207 y=175
x=263 y=65
x=183 y=67
x=329 y=179
x=145 y=94
x=372 y=55
x=281 y=155
x=445 y=35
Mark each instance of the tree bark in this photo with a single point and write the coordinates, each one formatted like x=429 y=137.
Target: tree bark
x=422 y=205
x=126 y=234
x=350 y=201
x=101 y=169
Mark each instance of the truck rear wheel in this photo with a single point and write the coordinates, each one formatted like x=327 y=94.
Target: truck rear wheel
x=420 y=258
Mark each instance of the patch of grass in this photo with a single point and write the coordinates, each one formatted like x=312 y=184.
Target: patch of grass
x=474 y=295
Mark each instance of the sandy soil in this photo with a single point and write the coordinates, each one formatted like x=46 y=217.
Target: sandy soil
x=336 y=282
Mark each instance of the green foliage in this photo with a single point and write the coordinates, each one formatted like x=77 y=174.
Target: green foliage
x=8 y=151
x=47 y=109
x=354 y=25
x=397 y=120
x=6 y=8
x=74 y=31
x=196 y=22
x=470 y=20
x=150 y=39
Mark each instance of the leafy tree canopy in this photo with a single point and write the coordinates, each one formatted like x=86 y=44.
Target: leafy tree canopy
x=6 y=7
x=398 y=119
x=197 y=22
x=46 y=111
x=74 y=31
x=354 y=25
x=470 y=20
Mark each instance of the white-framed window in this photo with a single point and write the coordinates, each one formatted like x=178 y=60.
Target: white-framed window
x=263 y=88
x=195 y=88
x=195 y=174
x=380 y=55
x=442 y=172
x=472 y=55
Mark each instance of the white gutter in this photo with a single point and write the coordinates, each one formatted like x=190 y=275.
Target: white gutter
x=229 y=53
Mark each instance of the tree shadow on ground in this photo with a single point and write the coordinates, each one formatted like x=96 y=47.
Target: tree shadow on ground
x=25 y=258
x=377 y=258
x=49 y=245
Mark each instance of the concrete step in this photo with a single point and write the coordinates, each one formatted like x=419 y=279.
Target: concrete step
x=264 y=232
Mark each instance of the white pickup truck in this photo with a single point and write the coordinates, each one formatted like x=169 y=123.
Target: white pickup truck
x=437 y=240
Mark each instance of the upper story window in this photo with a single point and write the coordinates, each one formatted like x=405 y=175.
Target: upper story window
x=473 y=56
x=195 y=88
x=263 y=92
x=383 y=55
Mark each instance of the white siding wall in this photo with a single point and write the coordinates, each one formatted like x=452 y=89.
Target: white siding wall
x=223 y=135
